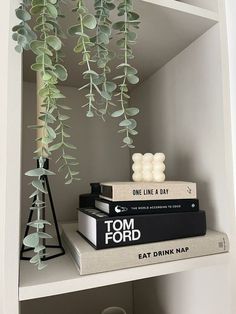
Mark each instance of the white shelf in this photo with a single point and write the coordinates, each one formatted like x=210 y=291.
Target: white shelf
x=61 y=275
x=167 y=28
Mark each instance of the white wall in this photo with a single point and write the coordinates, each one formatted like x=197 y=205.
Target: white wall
x=183 y=115
x=99 y=153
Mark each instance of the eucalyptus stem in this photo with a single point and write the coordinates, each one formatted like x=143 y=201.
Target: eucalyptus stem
x=129 y=73
x=103 y=54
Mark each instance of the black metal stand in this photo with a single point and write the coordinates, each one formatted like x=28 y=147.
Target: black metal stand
x=47 y=246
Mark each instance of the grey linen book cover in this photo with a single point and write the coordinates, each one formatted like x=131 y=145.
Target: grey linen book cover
x=90 y=261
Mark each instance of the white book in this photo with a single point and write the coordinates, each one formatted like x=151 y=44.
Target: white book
x=91 y=261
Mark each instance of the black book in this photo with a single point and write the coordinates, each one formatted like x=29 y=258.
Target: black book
x=103 y=231
x=146 y=207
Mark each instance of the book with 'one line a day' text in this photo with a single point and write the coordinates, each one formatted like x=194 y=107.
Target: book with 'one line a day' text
x=90 y=261
x=141 y=191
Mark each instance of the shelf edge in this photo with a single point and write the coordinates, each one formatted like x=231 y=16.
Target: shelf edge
x=131 y=274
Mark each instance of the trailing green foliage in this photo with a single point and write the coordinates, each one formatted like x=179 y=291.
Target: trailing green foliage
x=103 y=54
x=125 y=29
x=47 y=50
x=94 y=32
x=22 y=33
x=86 y=23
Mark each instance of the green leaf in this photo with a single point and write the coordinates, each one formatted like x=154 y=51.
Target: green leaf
x=132 y=36
x=35 y=45
x=43 y=235
x=55 y=147
x=32 y=240
x=54 y=42
x=35 y=172
x=119 y=26
x=133 y=124
x=38 y=185
x=61 y=72
x=51 y=132
x=35 y=259
x=117 y=113
x=41 y=265
x=37 y=67
x=125 y=122
x=40 y=222
x=39 y=248
x=127 y=140
x=110 y=86
x=69 y=157
x=63 y=117
x=133 y=79
x=23 y=15
x=47 y=76
x=45 y=51
x=69 y=181
x=132 y=111
x=105 y=29
x=74 y=30
x=37 y=9
x=18 y=49
x=106 y=95
x=89 y=21
x=48 y=172
x=52 y=10
x=70 y=146
x=89 y=114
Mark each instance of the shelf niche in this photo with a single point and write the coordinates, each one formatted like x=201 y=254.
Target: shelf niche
x=183 y=114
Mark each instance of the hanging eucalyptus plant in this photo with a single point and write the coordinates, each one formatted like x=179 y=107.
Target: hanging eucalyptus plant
x=46 y=46
x=43 y=37
x=125 y=29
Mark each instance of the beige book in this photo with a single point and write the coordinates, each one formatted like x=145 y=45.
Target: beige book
x=90 y=261
x=140 y=191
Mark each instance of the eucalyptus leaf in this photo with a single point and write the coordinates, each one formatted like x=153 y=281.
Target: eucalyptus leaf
x=125 y=122
x=117 y=113
x=35 y=172
x=54 y=42
x=132 y=111
x=23 y=15
x=44 y=235
x=89 y=21
x=52 y=10
x=133 y=79
x=61 y=72
x=32 y=240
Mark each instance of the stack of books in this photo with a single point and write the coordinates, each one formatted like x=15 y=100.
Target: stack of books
x=162 y=222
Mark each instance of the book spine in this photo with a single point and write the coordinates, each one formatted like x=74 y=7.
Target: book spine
x=149 y=207
x=155 y=253
x=163 y=191
x=130 y=230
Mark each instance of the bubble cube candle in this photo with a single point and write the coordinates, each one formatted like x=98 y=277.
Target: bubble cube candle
x=148 y=167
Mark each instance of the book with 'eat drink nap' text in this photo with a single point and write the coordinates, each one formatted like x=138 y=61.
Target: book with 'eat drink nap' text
x=90 y=261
